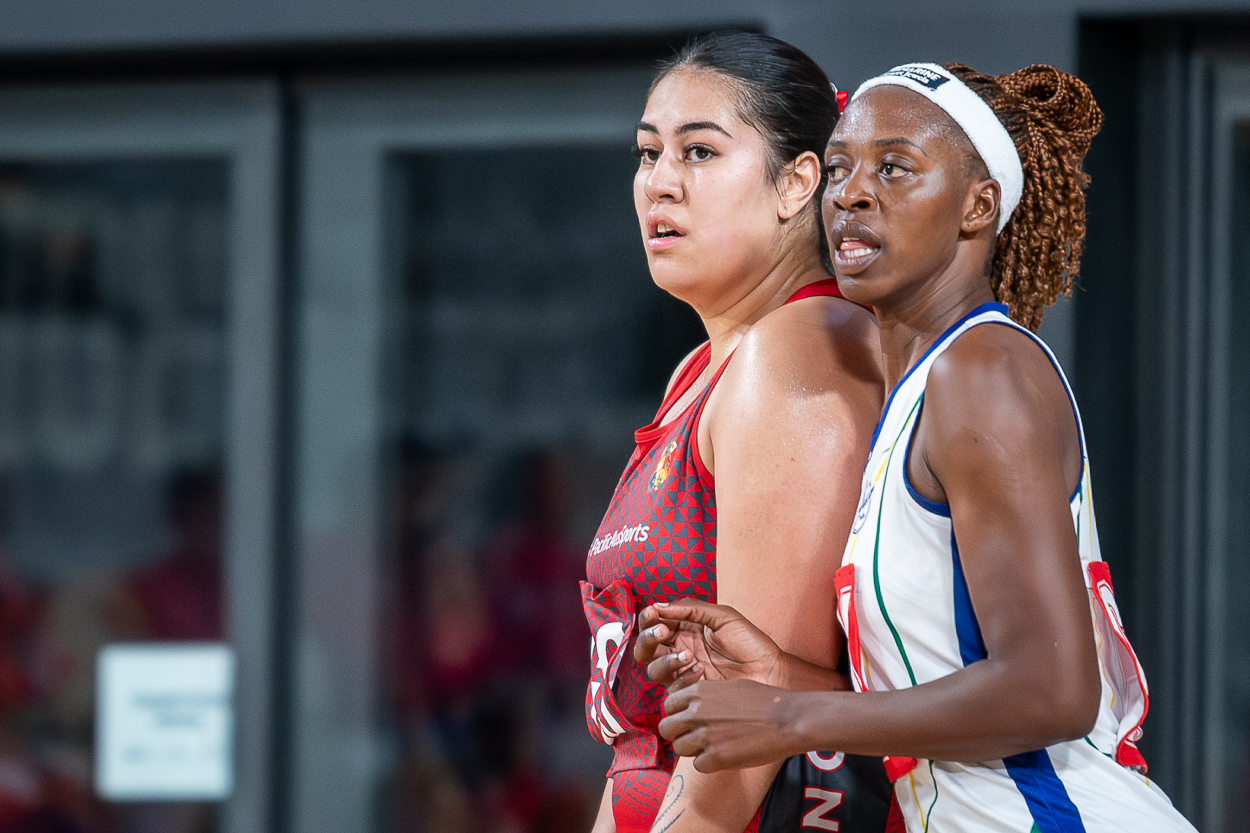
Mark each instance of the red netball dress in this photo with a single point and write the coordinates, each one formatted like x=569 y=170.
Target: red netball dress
x=657 y=543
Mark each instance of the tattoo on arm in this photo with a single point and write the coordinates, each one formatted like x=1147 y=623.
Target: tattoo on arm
x=675 y=788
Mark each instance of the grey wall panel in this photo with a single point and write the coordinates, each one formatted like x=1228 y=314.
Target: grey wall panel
x=74 y=24
x=997 y=35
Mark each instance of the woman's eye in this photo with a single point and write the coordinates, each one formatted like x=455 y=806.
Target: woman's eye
x=837 y=171
x=647 y=156
x=698 y=153
x=892 y=170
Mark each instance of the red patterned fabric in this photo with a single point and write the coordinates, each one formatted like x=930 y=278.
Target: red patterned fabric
x=610 y=613
x=636 y=797
x=656 y=543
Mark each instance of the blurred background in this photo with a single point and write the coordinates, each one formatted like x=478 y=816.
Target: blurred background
x=324 y=328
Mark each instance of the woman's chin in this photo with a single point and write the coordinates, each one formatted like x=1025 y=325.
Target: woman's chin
x=682 y=284
x=856 y=288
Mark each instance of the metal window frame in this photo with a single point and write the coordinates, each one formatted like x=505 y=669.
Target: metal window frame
x=242 y=121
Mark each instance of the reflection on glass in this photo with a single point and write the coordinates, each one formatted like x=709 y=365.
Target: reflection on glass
x=111 y=371
x=527 y=297
x=1236 y=628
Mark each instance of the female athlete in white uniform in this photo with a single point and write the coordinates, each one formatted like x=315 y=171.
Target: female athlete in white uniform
x=980 y=618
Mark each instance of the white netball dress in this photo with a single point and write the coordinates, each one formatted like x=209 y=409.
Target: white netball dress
x=906 y=611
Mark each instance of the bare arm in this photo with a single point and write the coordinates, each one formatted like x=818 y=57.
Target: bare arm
x=786 y=433
x=605 y=822
x=996 y=441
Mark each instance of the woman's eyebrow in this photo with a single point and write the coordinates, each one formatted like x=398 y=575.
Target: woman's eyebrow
x=898 y=140
x=689 y=127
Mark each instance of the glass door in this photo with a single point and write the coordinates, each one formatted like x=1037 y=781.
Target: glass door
x=137 y=370
x=481 y=337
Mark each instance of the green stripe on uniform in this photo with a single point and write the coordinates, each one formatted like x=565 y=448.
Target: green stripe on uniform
x=876 y=549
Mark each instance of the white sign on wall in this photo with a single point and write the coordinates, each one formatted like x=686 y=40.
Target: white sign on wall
x=164 y=722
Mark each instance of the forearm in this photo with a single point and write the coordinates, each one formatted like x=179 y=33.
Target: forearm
x=795 y=674
x=982 y=712
x=718 y=802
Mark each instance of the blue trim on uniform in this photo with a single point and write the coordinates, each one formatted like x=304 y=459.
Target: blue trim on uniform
x=1052 y=809
x=971 y=645
x=983 y=308
x=940 y=509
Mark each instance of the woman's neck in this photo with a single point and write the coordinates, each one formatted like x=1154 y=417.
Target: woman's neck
x=725 y=328
x=906 y=333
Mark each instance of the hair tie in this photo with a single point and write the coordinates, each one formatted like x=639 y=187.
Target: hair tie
x=974 y=117
x=840 y=96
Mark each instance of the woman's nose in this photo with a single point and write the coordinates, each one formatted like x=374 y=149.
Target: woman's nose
x=665 y=180
x=853 y=195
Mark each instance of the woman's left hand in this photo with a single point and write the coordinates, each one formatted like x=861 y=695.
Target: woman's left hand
x=729 y=724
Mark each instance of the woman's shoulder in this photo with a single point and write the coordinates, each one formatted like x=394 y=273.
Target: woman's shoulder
x=824 y=336
x=997 y=375
x=993 y=353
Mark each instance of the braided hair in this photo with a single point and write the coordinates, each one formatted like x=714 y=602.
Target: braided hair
x=1052 y=118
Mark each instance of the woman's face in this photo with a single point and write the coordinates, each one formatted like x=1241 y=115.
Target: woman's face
x=708 y=210
x=900 y=177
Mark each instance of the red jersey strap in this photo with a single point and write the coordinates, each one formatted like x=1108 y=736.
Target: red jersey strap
x=698 y=362
x=827 y=288
x=687 y=375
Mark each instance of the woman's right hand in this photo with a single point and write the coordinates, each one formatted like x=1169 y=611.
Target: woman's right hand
x=689 y=640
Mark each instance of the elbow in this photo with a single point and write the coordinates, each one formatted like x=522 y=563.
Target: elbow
x=1069 y=709
x=1075 y=718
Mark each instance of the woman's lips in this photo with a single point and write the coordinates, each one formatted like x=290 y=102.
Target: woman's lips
x=660 y=244
x=663 y=235
x=853 y=254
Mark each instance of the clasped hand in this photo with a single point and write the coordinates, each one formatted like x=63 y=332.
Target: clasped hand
x=714 y=663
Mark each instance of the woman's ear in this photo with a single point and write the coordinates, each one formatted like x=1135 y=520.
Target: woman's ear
x=981 y=207
x=797 y=183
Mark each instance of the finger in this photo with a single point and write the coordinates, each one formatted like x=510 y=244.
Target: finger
x=675 y=726
x=686 y=678
x=652 y=642
x=708 y=761
x=647 y=617
x=666 y=669
x=678 y=701
x=701 y=613
x=691 y=744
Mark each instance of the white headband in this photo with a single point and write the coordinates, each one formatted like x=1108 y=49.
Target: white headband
x=973 y=115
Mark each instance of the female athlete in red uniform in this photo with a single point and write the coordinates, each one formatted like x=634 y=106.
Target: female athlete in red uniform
x=743 y=488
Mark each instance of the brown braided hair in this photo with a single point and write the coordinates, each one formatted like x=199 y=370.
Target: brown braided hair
x=1052 y=118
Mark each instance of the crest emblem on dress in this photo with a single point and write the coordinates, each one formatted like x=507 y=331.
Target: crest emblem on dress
x=861 y=514
x=663 y=467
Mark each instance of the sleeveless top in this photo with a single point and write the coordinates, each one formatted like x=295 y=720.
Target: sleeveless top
x=657 y=543
x=904 y=605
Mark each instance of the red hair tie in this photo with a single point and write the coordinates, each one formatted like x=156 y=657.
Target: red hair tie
x=841 y=97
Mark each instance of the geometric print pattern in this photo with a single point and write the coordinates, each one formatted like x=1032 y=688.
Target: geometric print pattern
x=659 y=535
